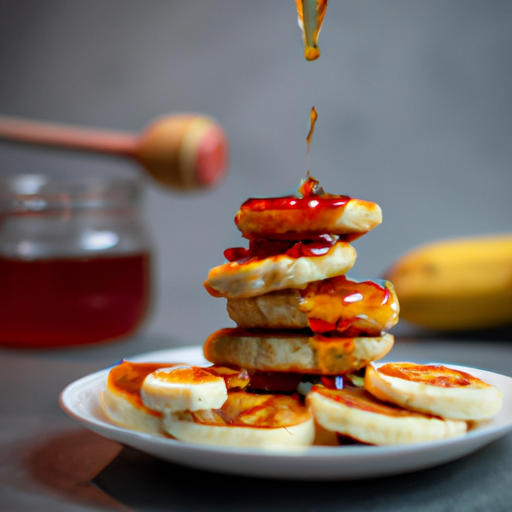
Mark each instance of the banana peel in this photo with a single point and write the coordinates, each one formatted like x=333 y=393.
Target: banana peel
x=456 y=284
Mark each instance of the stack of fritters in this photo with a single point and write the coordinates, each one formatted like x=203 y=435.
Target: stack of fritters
x=302 y=325
x=296 y=311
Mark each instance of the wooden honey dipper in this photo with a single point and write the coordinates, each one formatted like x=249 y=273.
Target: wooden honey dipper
x=181 y=151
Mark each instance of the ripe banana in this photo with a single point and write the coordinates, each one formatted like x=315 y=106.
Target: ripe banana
x=456 y=284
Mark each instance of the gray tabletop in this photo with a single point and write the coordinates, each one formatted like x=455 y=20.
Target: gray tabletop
x=49 y=462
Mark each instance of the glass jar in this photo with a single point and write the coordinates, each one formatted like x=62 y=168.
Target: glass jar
x=74 y=261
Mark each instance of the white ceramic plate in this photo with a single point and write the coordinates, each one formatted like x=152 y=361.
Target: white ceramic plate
x=81 y=401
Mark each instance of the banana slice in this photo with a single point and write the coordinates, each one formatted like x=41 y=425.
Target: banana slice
x=121 y=399
x=434 y=390
x=236 y=280
x=246 y=420
x=183 y=388
x=357 y=414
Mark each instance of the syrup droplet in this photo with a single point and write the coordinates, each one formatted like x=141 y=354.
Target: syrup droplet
x=311 y=16
x=313 y=116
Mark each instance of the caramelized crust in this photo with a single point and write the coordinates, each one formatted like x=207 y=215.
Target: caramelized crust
x=244 y=409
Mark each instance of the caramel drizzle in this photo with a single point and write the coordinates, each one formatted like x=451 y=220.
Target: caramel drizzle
x=311 y=15
x=313 y=116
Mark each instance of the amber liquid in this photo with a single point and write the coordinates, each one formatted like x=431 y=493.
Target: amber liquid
x=72 y=301
x=311 y=13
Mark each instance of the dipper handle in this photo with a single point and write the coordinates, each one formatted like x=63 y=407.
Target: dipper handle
x=181 y=151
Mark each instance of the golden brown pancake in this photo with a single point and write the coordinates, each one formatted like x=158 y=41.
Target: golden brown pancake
x=293 y=351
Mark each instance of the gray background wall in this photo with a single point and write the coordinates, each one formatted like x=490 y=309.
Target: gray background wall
x=414 y=100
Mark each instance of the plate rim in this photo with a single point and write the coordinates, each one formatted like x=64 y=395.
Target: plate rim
x=478 y=437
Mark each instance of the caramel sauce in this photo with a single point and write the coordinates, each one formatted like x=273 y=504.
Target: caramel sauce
x=329 y=350
x=362 y=400
x=262 y=248
x=234 y=379
x=126 y=379
x=284 y=382
x=433 y=375
x=310 y=187
x=186 y=374
x=335 y=304
x=313 y=116
x=243 y=409
x=311 y=16
x=310 y=196
x=310 y=202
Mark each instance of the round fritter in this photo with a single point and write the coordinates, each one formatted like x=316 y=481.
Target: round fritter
x=294 y=351
x=301 y=218
x=367 y=308
x=357 y=414
x=256 y=277
x=434 y=389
